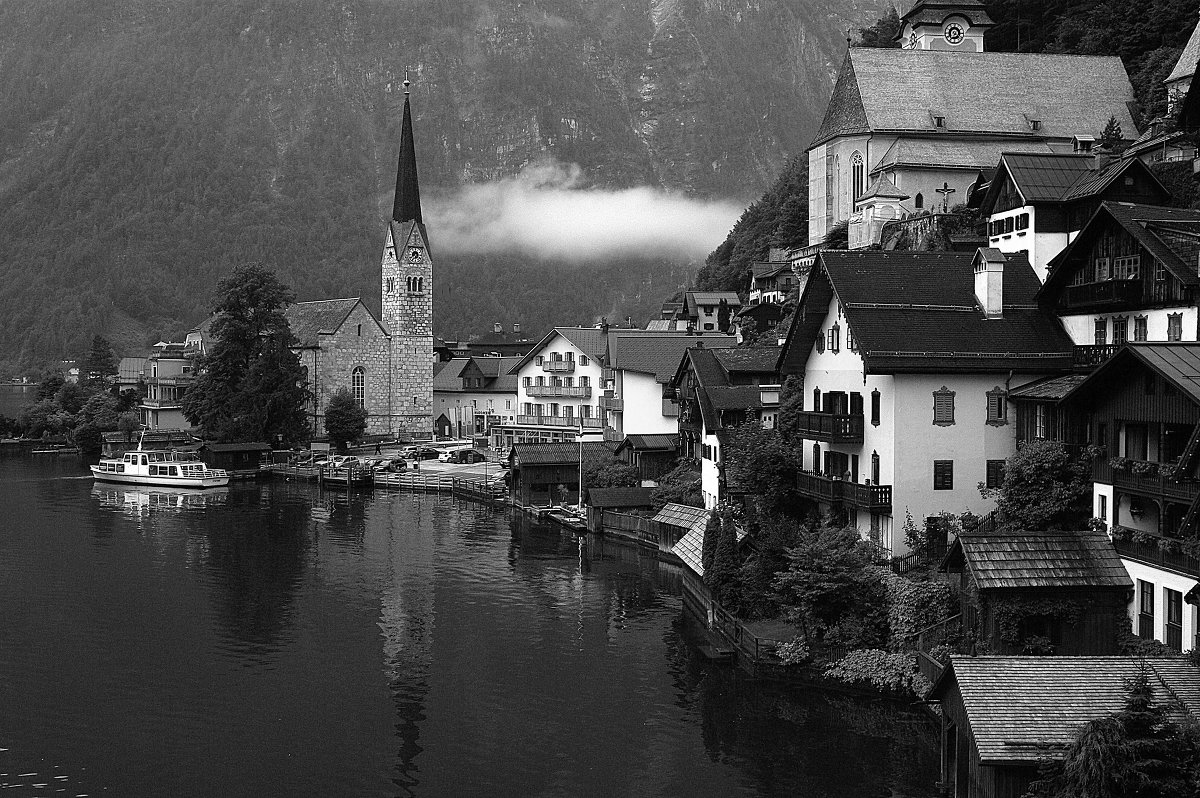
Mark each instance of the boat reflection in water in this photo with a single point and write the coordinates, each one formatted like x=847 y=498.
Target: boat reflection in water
x=142 y=500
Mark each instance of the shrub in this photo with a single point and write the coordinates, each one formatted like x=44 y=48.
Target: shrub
x=882 y=670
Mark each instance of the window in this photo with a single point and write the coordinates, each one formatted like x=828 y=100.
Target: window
x=1101 y=332
x=360 y=331
x=527 y=381
x=816 y=458
x=850 y=342
x=583 y=360
x=820 y=342
x=1023 y=222
x=1126 y=268
x=997 y=407
x=1039 y=422
x=568 y=411
x=995 y=474
x=1120 y=330
x=874 y=468
x=835 y=338
x=1173 y=603
x=1101 y=265
x=1145 y=628
x=540 y=381
x=1103 y=508
x=539 y=360
x=816 y=400
x=1079 y=277
x=1160 y=272
x=939 y=121
x=943 y=407
x=943 y=475
x=585 y=382
x=858 y=175
x=1139 y=328
x=391 y=285
x=585 y=411
x=875 y=407
x=919 y=200
x=358 y=386
x=1150 y=384
x=1174 y=326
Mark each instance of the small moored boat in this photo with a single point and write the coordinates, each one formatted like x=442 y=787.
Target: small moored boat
x=158 y=467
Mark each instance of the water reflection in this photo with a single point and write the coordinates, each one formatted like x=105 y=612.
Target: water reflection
x=142 y=501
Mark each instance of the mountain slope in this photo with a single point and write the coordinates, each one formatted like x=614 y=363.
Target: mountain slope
x=147 y=146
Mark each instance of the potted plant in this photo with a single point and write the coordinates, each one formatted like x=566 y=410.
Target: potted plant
x=1118 y=463
x=1168 y=470
x=1142 y=468
x=1121 y=532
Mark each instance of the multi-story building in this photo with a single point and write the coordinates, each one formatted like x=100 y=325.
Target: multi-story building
x=703 y=310
x=908 y=358
x=169 y=371
x=771 y=280
x=1038 y=203
x=718 y=389
x=471 y=395
x=558 y=389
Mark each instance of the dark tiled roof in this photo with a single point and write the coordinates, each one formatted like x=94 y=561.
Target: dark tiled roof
x=620 y=497
x=883 y=188
x=589 y=340
x=916 y=311
x=981 y=155
x=1177 y=362
x=1048 y=388
x=323 y=315
x=752 y=359
x=735 y=397
x=1023 y=708
x=768 y=268
x=934 y=12
x=1095 y=181
x=1045 y=177
x=692 y=298
x=528 y=454
x=990 y=92
x=682 y=515
x=639 y=350
x=1041 y=559
x=1185 y=67
x=657 y=443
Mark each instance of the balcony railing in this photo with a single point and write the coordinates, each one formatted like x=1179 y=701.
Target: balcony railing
x=161 y=404
x=1152 y=553
x=559 y=366
x=562 y=421
x=670 y=409
x=1091 y=356
x=179 y=380
x=612 y=436
x=1150 y=482
x=576 y=391
x=1105 y=292
x=872 y=498
x=832 y=427
x=612 y=403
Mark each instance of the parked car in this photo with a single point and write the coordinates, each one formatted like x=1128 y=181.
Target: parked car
x=386 y=465
x=424 y=453
x=467 y=456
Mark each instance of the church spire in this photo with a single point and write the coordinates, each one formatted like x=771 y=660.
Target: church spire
x=407 y=206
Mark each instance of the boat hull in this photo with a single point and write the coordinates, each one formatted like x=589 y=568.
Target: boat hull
x=160 y=481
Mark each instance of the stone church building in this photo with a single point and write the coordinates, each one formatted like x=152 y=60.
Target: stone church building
x=909 y=130
x=387 y=363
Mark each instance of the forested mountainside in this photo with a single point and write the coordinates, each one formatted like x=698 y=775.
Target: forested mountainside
x=147 y=146
x=1148 y=35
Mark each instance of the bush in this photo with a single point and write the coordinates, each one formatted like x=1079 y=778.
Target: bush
x=882 y=670
x=794 y=652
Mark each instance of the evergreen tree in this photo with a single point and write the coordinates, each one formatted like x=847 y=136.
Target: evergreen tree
x=100 y=365
x=721 y=575
x=712 y=534
x=1112 y=138
x=723 y=314
x=251 y=385
x=345 y=421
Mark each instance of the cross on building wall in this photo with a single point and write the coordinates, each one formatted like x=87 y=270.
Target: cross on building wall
x=945 y=191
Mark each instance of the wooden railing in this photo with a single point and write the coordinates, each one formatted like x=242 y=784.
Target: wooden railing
x=1149 y=481
x=562 y=421
x=1152 y=552
x=612 y=403
x=577 y=391
x=1091 y=355
x=558 y=366
x=873 y=498
x=1105 y=292
x=832 y=427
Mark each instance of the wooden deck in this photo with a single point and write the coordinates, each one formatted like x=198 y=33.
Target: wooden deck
x=492 y=493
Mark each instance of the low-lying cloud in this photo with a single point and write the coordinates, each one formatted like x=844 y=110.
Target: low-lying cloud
x=545 y=211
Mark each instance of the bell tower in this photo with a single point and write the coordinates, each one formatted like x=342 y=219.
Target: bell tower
x=407 y=287
x=953 y=25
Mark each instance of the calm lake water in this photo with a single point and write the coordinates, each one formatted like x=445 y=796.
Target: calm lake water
x=275 y=640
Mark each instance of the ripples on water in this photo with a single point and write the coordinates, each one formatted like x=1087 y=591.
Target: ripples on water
x=275 y=639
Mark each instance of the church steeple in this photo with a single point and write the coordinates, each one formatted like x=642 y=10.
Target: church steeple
x=407 y=206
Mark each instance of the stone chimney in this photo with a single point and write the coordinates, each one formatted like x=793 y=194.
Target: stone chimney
x=989 y=281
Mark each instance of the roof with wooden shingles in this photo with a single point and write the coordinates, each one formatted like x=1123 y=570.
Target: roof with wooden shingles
x=1077 y=558
x=1023 y=709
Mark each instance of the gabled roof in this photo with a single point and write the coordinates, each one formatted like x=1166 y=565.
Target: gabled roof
x=667 y=442
x=768 y=268
x=449 y=376
x=882 y=188
x=535 y=454
x=897 y=90
x=592 y=341
x=917 y=312
x=308 y=319
x=1070 y=559
x=1022 y=709
x=714 y=389
x=693 y=298
x=749 y=359
x=1185 y=67
x=620 y=497
x=1177 y=362
x=1171 y=235
x=934 y=12
x=951 y=153
x=1048 y=387
x=645 y=352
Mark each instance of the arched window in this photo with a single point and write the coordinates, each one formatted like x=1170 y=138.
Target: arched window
x=420 y=284
x=874 y=468
x=919 y=200
x=358 y=385
x=858 y=176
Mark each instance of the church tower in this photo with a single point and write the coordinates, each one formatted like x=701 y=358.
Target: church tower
x=945 y=25
x=407 y=285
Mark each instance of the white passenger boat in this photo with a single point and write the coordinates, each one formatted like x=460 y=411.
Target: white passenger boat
x=158 y=467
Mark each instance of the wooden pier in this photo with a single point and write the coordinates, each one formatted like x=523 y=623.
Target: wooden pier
x=491 y=493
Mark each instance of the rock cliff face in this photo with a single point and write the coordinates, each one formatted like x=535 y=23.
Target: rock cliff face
x=147 y=146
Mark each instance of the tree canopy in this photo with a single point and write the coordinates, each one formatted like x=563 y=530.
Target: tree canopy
x=345 y=421
x=1044 y=487
x=251 y=384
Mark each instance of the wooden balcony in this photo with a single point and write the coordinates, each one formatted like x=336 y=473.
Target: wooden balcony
x=1106 y=293
x=1148 y=483
x=559 y=366
x=871 y=498
x=612 y=436
x=612 y=403
x=1152 y=553
x=572 y=391
x=831 y=427
x=1090 y=356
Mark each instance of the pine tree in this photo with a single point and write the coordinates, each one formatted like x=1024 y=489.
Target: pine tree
x=712 y=533
x=100 y=365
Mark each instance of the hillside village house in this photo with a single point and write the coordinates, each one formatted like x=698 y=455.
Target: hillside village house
x=1038 y=203
x=771 y=280
x=702 y=309
x=718 y=389
x=920 y=124
x=638 y=366
x=907 y=359
x=471 y=395
x=169 y=370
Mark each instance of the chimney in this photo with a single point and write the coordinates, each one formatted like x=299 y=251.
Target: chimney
x=989 y=281
x=516 y=328
x=497 y=328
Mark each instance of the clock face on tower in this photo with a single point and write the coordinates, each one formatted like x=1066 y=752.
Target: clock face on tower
x=414 y=255
x=953 y=33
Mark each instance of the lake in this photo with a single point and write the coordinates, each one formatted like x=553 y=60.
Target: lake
x=276 y=639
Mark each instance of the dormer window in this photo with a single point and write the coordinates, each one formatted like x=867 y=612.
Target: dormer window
x=1083 y=143
x=939 y=121
x=1035 y=124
